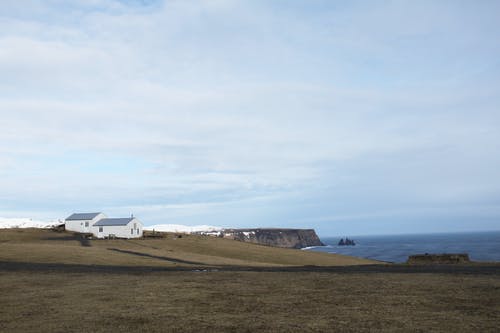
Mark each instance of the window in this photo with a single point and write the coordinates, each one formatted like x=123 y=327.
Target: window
x=86 y=224
x=135 y=225
x=132 y=231
x=100 y=229
x=137 y=231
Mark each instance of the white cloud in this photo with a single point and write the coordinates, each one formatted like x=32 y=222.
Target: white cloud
x=103 y=103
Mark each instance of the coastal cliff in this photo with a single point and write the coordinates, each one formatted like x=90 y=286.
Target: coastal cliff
x=289 y=238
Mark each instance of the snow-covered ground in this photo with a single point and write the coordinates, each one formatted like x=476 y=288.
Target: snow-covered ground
x=182 y=228
x=6 y=223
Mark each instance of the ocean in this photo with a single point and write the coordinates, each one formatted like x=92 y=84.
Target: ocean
x=481 y=246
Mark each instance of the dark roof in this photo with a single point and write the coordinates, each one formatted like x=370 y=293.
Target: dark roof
x=81 y=216
x=118 y=221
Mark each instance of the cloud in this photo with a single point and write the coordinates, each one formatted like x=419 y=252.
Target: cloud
x=249 y=113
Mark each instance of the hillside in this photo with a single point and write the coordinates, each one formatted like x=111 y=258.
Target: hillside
x=47 y=246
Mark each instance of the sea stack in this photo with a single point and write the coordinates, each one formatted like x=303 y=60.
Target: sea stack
x=345 y=242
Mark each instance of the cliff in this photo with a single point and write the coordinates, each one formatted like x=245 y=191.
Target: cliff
x=289 y=238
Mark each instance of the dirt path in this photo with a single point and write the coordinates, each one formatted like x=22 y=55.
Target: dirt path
x=474 y=269
x=141 y=254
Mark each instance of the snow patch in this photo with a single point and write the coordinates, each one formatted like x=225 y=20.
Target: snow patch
x=7 y=223
x=186 y=229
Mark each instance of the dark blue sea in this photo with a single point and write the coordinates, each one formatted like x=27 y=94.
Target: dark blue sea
x=481 y=246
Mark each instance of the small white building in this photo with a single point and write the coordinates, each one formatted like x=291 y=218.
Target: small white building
x=82 y=222
x=129 y=227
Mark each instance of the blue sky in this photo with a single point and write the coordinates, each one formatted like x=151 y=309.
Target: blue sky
x=350 y=117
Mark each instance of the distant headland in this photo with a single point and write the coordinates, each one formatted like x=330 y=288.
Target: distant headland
x=288 y=238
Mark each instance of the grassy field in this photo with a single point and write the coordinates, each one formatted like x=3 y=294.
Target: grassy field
x=38 y=245
x=248 y=302
x=48 y=283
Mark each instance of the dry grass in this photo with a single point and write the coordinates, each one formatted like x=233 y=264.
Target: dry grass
x=42 y=300
x=35 y=245
x=248 y=302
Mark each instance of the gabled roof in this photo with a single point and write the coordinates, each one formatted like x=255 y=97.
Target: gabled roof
x=114 y=221
x=81 y=216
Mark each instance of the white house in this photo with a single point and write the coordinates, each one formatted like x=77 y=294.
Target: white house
x=82 y=222
x=129 y=227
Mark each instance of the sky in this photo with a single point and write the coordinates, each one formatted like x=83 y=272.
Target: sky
x=350 y=117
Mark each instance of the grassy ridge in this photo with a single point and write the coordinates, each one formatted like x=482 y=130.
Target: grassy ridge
x=38 y=245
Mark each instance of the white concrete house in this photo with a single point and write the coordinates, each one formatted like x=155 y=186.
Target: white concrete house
x=129 y=227
x=82 y=222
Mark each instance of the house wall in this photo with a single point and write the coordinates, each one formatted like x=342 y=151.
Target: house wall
x=121 y=231
x=79 y=225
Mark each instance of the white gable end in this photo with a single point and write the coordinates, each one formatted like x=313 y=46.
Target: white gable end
x=132 y=229
x=83 y=225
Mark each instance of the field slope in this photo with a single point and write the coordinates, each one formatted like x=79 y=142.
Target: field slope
x=58 y=282
x=47 y=246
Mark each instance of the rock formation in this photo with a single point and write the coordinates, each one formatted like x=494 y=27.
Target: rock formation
x=346 y=242
x=289 y=238
x=445 y=258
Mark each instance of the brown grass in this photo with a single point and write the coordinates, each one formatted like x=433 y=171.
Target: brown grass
x=35 y=245
x=41 y=300
x=248 y=302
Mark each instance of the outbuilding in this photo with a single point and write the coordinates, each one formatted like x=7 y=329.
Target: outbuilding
x=82 y=222
x=128 y=227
